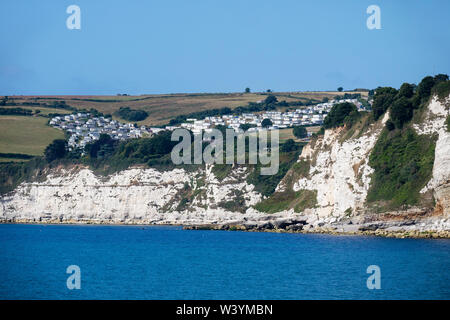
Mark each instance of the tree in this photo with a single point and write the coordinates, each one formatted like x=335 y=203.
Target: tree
x=56 y=150
x=268 y=90
x=131 y=114
x=340 y=114
x=424 y=88
x=288 y=146
x=100 y=147
x=440 y=78
x=271 y=99
x=406 y=90
x=266 y=123
x=325 y=100
x=401 y=112
x=300 y=132
x=246 y=126
x=247 y=90
x=383 y=98
x=340 y=89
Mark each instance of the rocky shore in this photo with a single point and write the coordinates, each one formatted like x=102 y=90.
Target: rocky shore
x=407 y=224
x=299 y=227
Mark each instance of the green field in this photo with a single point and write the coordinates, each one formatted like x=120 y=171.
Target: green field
x=26 y=135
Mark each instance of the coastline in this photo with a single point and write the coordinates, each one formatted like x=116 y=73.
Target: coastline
x=327 y=230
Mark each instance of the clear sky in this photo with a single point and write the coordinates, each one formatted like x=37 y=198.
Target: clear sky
x=171 y=46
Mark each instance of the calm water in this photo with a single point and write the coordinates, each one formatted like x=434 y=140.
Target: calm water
x=121 y=262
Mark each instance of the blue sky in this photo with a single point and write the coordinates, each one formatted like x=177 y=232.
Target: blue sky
x=170 y=46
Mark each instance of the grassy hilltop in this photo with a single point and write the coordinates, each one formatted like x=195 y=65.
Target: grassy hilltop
x=163 y=107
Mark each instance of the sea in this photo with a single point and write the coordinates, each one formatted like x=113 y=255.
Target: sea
x=165 y=262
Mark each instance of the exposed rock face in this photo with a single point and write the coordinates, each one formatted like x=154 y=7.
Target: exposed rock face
x=339 y=171
x=134 y=195
x=440 y=181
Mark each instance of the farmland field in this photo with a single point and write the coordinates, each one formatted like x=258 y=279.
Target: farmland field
x=163 y=107
x=26 y=135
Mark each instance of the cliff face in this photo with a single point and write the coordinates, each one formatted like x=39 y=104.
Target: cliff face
x=338 y=173
x=131 y=196
x=440 y=181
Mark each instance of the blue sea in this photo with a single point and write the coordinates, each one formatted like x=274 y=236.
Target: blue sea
x=142 y=262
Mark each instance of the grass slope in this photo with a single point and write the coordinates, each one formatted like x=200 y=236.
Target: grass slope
x=26 y=135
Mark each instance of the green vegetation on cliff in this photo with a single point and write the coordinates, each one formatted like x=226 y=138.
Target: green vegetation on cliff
x=266 y=184
x=341 y=114
x=402 y=159
x=289 y=199
x=403 y=163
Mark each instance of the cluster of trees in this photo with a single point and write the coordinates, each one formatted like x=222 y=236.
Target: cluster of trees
x=404 y=101
x=348 y=96
x=289 y=146
x=60 y=105
x=15 y=156
x=56 y=150
x=101 y=148
x=341 y=114
x=113 y=155
x=300 y=132
x=129 y=114
x=266 y=123
x=3 y=101
x=16 y=111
